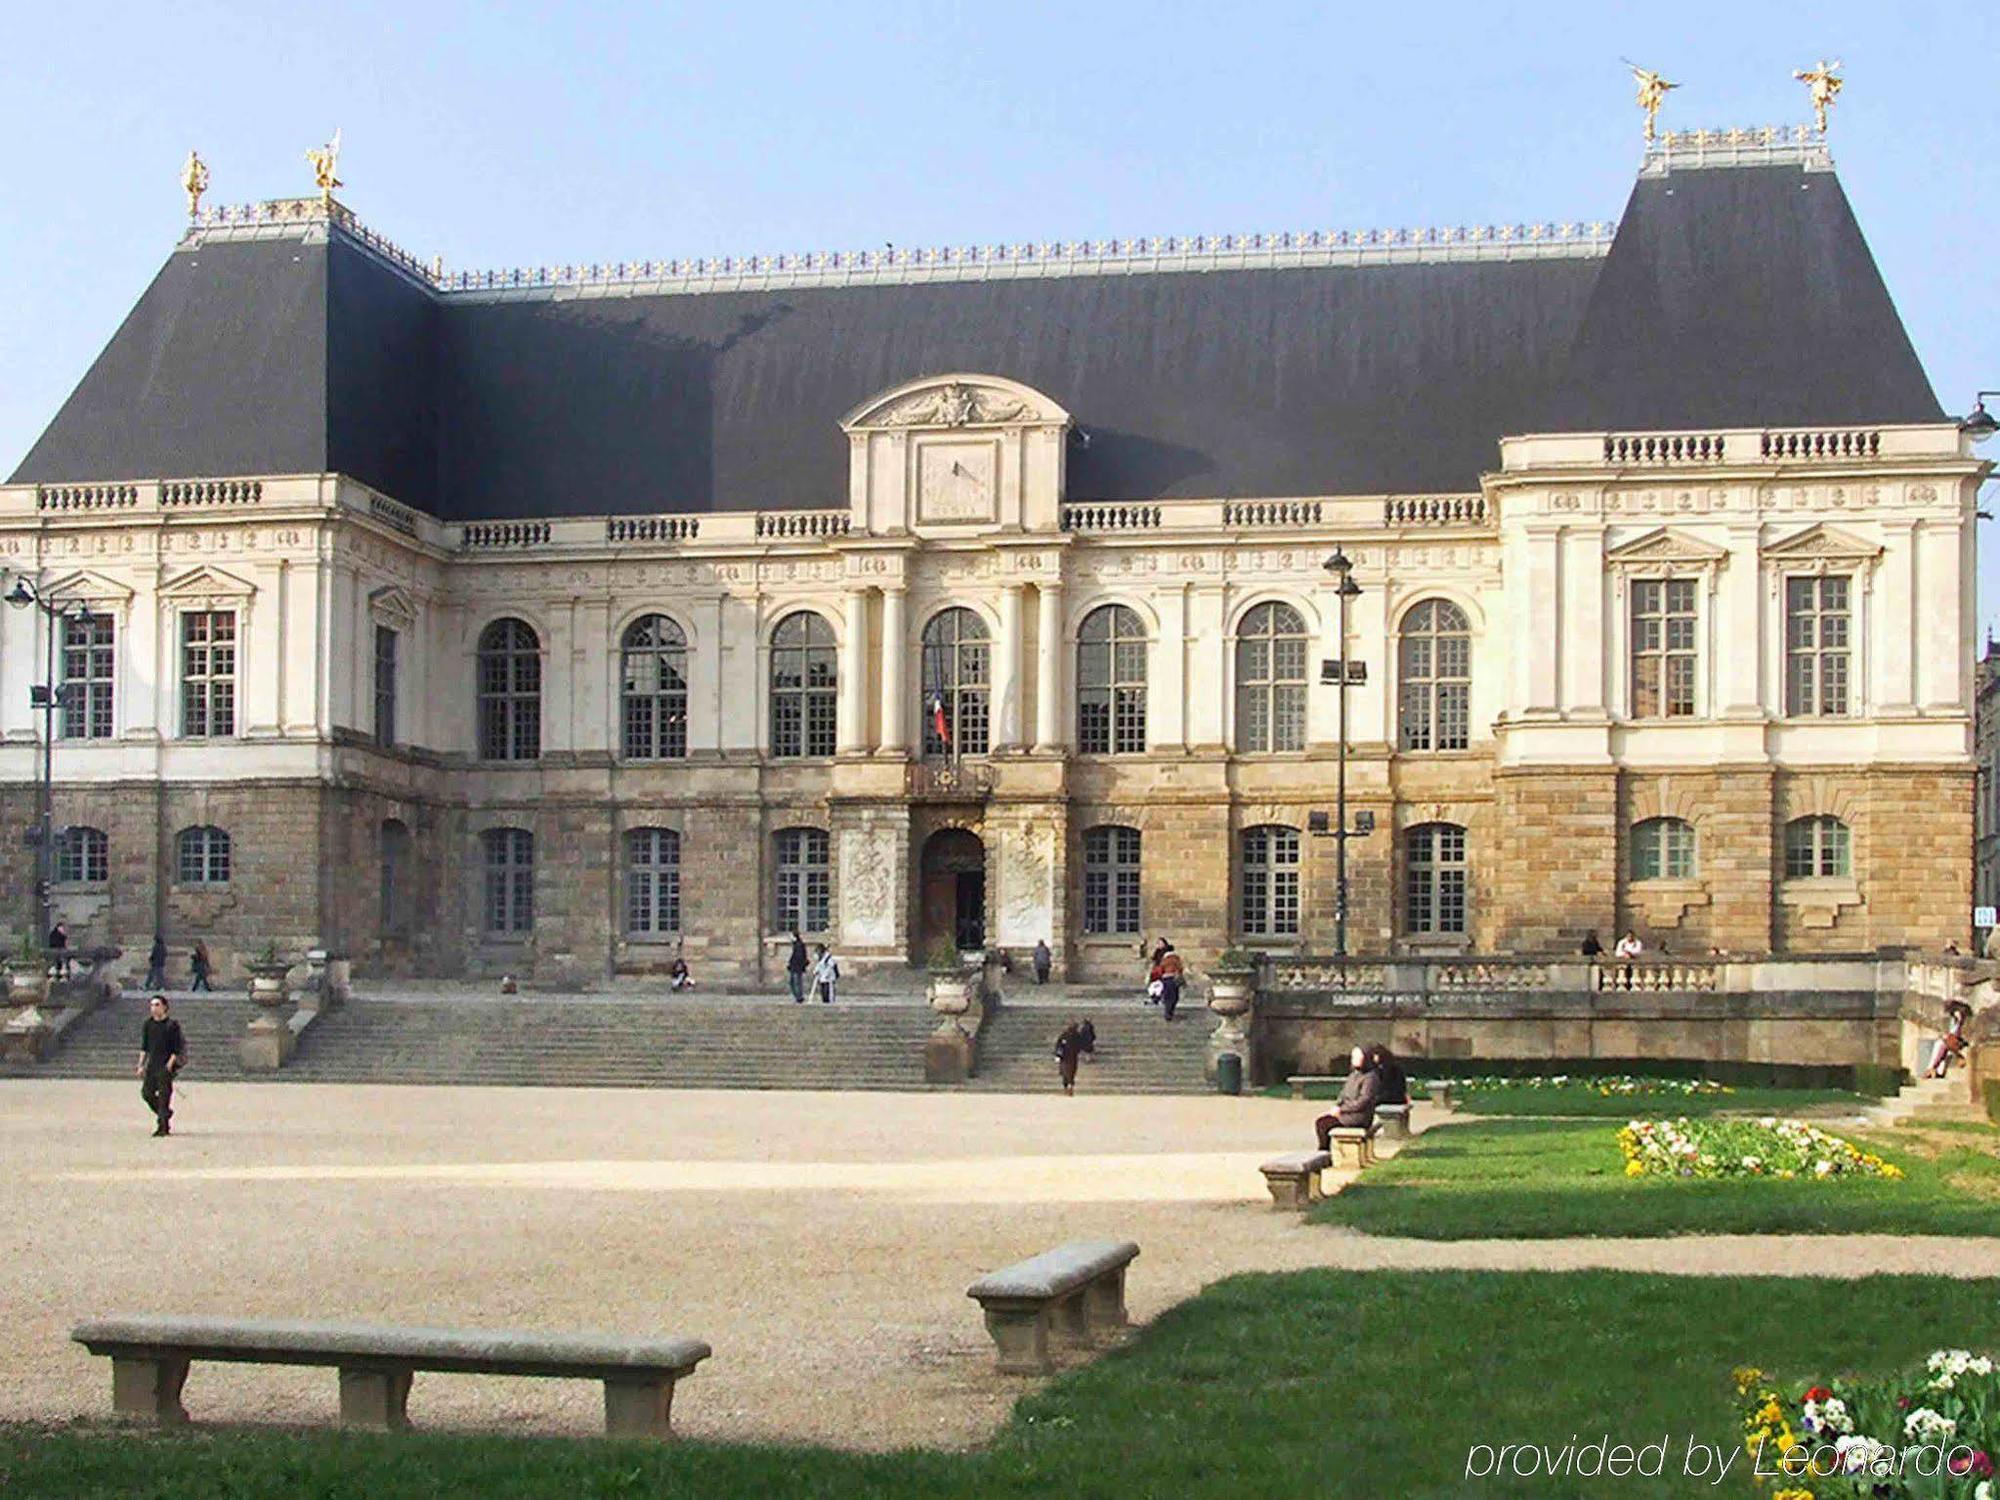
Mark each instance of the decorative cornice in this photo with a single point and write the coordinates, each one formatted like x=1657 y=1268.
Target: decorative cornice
x=1738 y=146
x=1666 y=545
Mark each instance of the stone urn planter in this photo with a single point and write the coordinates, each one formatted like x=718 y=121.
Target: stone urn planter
x=28 y=980
x=1232 y=995
x=948 y=1051
x=268 y=1044
x=26 y=1031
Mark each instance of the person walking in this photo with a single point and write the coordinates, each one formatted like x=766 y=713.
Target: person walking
x=826 y=974
x=1068 y=1048
x=156 y=964
x=1171 y=974
x=162 y=1054
x=1086 y=1039
x=1044 y=960
x=59 y=949
x=1153 y=987
x=199 y=965
x=795 y=968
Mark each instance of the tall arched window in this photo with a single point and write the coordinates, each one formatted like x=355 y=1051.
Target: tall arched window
x=957 y=713
x=802 y=897
x=1111 y=683
x=653 y=685
x=1111 y=880
x=1270 y=883
x=510 y=880
x=804 y=686
x=1663 y=849
x=510 y=691
x=1435 y=665
x=1271 y=679
x=652 y=882
x=201 y=856
x=1816 y=846
x=83 y=857
x=1436 y=878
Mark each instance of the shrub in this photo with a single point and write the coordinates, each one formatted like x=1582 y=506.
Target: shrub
x=942 y=956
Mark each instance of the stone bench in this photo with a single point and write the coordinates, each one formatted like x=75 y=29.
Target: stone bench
x=150 y=1358
x=1440 y=1092
x=1294 y=1178
x=1079 y=1287
x=1302 y=1081
x=1393 y=1121
x=1354 y=1145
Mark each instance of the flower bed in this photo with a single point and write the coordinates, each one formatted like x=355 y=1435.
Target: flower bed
x=1610 y=1085
x=1928 y=1432
x=1769 y=1147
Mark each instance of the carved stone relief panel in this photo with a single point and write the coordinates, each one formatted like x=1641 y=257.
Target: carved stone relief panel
x=958 y=481
x=1027 y=863
x=867 y=906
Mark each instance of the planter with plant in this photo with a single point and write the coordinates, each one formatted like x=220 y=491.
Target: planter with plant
x=28 y=974
x=267 y=976
x=1232 y=990
x=950 y=983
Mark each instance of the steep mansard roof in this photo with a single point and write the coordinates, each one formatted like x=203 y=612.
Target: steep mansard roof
x=1739 y=296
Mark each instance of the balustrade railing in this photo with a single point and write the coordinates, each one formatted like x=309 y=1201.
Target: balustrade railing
x=1630 y=449
x=652 y=528
x=1838 y=443
x=211 y=492
x=1655 y=975
x=395 y=517
x=494 y=535
x=950 y=778
x=1434 y=510
x=784 y=524
x=1110 y=517
x=86 y=496
x=1255 y=513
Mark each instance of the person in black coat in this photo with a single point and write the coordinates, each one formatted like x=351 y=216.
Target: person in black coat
x=162 y=1054
x=156 y=964
x=1393 y=1083
x=796 y=966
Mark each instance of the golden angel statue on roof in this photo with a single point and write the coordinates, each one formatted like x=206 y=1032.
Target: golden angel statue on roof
x=1652 y=93
x=194 y=181
x=1825 y=84
x=324 y=159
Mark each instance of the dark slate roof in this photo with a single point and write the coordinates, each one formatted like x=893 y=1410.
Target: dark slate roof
x=1739 y=297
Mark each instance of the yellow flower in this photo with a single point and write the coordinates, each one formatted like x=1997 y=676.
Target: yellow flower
x=1745 y=1376
x=1770 y=1411
x=1635 y=1169
x=1792 y=1495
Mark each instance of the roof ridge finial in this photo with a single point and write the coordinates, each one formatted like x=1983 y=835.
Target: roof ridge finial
x=1652 y=92
x=194 y=182
x=1825 y=84
x=324 y=160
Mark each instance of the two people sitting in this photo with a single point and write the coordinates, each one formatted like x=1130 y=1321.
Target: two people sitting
x=1374 y=1078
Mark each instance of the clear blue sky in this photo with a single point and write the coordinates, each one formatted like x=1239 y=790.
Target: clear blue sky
x=504 y=135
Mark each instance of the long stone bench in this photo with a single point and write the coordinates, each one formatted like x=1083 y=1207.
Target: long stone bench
x=1302 y=1081
x=1079 y=1287
x=150 y=1358
x=1393 y=1121
x=1294 y=1178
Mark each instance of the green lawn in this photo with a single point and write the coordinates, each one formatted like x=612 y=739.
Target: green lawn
x=1580 y=1100
x=1312 y=1384
x=1543 y=1179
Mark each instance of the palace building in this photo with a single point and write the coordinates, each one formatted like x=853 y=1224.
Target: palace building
x=544 y=622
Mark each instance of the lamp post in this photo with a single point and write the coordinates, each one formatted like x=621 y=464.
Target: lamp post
x=44 y=696
x=1341 y=570
x=1979 y=424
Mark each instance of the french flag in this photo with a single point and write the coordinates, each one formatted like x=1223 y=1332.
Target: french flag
x=939 y=723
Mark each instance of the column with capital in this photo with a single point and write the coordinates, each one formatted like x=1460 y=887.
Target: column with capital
x=1050 y=724
x=895 y=655
x=1007 y=671
x=851 y=712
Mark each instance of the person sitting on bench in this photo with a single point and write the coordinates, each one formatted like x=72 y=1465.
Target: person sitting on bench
x=1394 y=1084
x=1355 y=1109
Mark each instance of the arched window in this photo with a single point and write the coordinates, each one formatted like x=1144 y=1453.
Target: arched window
x=89 y=661
x=1271 y=679
x=654 y=687
x=83 y=857
x=956 y=708
x=510 y=880
x=804 y=686
x=1816 y=846
x=802 y=897
x=652 y=882
x=395 y=877
x=510 y=691
x=1435 y=663
x=1436 y=878
x=1663 y=849
x=1111 y=683
x=1270 y=885
x=1111 y=881
x=201 y=856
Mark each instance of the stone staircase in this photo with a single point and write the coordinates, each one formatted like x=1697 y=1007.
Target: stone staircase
x=1925 y=1100
x=660 y=1042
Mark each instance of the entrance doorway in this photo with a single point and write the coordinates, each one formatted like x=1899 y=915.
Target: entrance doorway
x=953 y=875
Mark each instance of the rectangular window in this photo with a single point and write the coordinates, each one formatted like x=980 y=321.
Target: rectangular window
x=1817 y=638
x=803 y=895
x=88 y=666
x=208 y=674
x=385 y=686
x=1271 y=882
x=1663 y=648
x=1111 y=881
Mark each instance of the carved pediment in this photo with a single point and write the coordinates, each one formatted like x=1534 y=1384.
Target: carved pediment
x=957 y=401
x=1822 y=544
x=92 y=587
x=392 y=606
x=1666 y=545
x=207 y=583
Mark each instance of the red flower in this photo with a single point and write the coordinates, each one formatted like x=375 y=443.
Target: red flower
x=1819 y=1393
x=1978 y=1466
x=1903 y=1402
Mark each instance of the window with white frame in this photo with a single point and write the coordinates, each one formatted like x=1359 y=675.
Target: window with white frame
x=202 y=856
x=652 y=882
x=1816 y=848
x=1269 y=885
x=1663 y=648
x=1111 y=881
x=1817 y=639
x=509 y=858
x=208 y=674
x=83 y=857
x=1436 y=879
x=957 y=660
x=1663 y=849
x=802 y=894
x=1111 y=682
x=510 y=691
x=653 y=689
x=1271 y=680
x=385 y=686
x=89 y=668
x=805 y=687
x=1434 y=660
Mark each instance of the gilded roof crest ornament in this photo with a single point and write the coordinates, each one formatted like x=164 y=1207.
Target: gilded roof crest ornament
x=324 y=160
x=1652 y=92
x=194 y=181
x=1825 y=84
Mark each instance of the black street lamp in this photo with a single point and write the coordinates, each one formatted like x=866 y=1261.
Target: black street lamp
x=44 y=697
x=1979 y=423
x=1341 y=570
